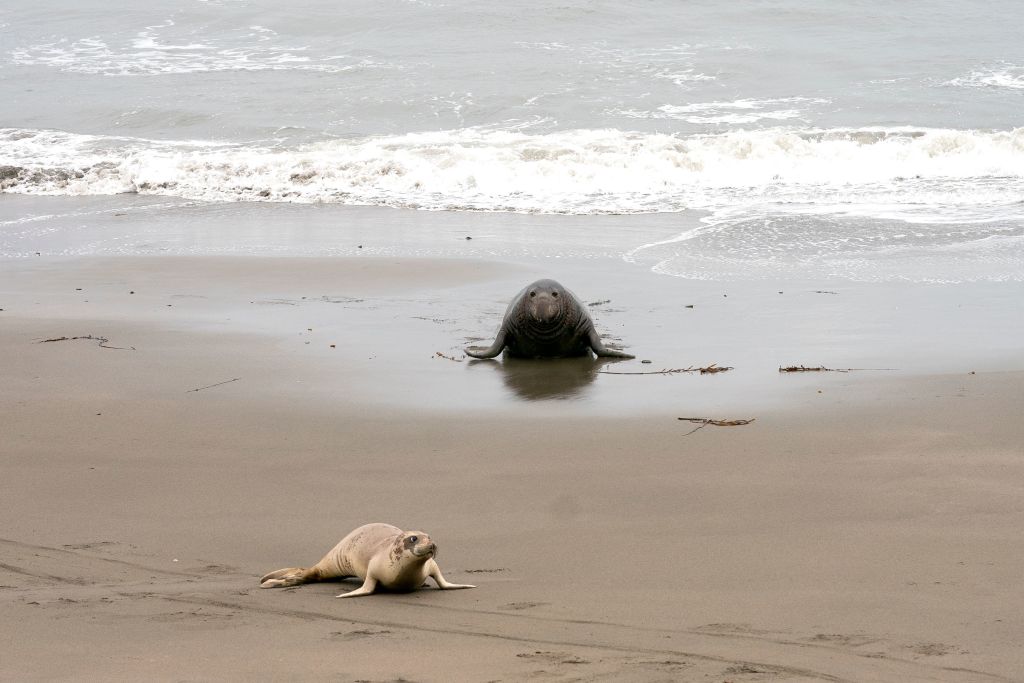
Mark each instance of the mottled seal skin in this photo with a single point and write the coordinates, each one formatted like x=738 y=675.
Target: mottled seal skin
x=381 y=555
x=545 y=320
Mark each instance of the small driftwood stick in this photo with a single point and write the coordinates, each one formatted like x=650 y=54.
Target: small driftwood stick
x=210 y=386
x=713 y=368
x=441 y=355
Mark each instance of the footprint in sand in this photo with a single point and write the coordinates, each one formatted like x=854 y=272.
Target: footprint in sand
x=664 y=665
x=213 y=569
x=846 y=640
x=553 y=657
x=744 y=669
x=197 y=617
x=89 y=546
x=931 y=649
x=523 y=605
x=358 y=634
x=732 y=629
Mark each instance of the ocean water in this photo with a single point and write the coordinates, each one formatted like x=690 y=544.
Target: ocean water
x=864 y=140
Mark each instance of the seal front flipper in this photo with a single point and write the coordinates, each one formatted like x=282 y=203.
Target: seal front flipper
x=434 y=572
x=366 y=589
x=601 y=350
x=493 y=350
x=290 y=576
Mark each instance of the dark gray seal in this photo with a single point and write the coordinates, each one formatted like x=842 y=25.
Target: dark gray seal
x=545 y=320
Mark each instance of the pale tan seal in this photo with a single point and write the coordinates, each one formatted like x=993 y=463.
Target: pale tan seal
x=380 y=554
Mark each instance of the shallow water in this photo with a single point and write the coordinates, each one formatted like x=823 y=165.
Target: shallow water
x=862 y=142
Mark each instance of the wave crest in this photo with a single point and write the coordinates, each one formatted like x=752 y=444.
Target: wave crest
x=576 y=171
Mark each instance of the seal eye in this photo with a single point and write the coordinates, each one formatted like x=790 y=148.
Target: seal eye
x=533 y=293
x=554 y=294
x=413 y=539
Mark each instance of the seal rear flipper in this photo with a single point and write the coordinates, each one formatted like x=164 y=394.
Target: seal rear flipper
x=603 y=351
x=290 y=576
x=491 y=351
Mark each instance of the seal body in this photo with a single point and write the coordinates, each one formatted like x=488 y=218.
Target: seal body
x=545 y=320
x=381 y=555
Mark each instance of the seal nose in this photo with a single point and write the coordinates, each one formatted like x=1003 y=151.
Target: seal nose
x=545 y=310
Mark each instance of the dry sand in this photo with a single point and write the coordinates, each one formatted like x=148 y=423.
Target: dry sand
x=866 y=527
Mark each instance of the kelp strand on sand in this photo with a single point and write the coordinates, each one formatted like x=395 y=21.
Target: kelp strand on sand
x=703 y=422
x=103 y=342
x=822 y=368
x=707 y=370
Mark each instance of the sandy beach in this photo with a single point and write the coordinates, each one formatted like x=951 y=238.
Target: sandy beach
x=210 y=419
x=244 y=246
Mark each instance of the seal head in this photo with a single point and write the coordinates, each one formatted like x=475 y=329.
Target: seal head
x=417 y=544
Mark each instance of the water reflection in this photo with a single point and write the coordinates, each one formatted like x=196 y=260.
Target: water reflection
x=547 y=378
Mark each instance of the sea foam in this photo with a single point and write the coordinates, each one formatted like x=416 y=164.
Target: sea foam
x=573 y=171
x=1006 y=76
x=151 y=52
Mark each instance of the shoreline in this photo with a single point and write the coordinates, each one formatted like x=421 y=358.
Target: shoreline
x=406 y=320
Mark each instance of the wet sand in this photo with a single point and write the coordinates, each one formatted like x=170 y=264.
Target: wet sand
x=865 y=526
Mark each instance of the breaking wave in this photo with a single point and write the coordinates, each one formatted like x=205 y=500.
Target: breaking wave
x=898 y=171
x=1006 y=76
